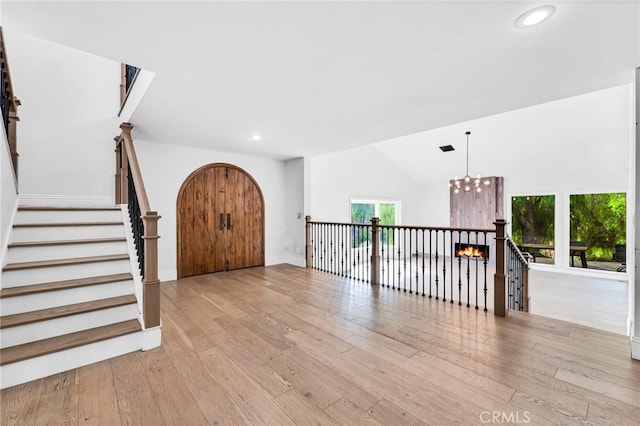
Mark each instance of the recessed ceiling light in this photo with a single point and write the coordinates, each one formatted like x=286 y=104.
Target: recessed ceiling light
x=256 y=137
x=535 y=16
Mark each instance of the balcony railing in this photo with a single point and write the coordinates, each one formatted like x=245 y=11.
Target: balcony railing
x=448 y=264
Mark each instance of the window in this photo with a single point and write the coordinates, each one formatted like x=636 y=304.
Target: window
x=533 y=226
x=598 y=228
x=363 y=210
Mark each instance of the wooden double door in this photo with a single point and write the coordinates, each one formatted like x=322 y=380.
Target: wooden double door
x=220 y=221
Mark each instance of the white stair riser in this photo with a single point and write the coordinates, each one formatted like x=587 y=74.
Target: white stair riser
x=57 y=233
x=65 y=216
x=62 y=273
x=35 y=368
x=27 y=333
x=66 y=251
x=50 y=299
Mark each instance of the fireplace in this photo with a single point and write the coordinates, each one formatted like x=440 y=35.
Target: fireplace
x=472 y=250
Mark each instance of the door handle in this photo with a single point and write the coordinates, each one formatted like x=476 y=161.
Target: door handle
x=221 y=221
x=229 y=221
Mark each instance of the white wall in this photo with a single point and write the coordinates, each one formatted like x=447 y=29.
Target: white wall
x=8 y=195
x=70 y=100
x=360 y=173
x=294 y=186
x=164 y=169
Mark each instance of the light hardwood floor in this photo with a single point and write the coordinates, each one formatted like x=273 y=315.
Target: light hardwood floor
x=284 y=345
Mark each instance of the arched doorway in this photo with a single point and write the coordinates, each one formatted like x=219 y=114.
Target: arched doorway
x=220 y=221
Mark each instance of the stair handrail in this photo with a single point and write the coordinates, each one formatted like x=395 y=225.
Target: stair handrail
x=130 y=190
x=521 y=261
x=9 y=106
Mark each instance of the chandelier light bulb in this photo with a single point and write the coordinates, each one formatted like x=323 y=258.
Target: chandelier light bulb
x=467 y=181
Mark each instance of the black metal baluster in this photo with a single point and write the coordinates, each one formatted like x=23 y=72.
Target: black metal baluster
x=399 y=261
x=468 y=272
x=404 y=260
x=437 y=276
x=459 y=256
x=423 y=262
x=452 y=260
x=468 y=289
x=417 y=264
x=367 y=276
x=388 y=248
x=444 y=265
x=485 y=275
x=431 y=263
x=136 y=221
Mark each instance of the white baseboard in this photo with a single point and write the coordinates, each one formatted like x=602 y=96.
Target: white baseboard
x=168 y=275
x=297 y=261
x=152 y=338
x=275 y=260
x=635 y=347
x=65 y=200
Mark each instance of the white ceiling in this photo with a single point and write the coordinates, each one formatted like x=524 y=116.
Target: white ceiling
x=318 y=77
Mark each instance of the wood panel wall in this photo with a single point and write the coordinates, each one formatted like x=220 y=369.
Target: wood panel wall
x=478 y=209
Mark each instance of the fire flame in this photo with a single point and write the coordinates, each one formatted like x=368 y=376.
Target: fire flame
x=470 y=252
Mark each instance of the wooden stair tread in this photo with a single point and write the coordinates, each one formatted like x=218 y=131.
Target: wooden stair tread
x=68 y=208
x=63 y=285
x=67 y=341
x=67 y=242
x=43 y=225
x=64 y=311
x=63 y=262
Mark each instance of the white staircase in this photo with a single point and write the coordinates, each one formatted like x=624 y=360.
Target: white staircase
x=68 y=297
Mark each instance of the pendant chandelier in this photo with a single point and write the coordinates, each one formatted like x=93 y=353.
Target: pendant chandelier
x=467 y=183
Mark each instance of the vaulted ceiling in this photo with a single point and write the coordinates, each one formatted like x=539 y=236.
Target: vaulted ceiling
x=318 y=77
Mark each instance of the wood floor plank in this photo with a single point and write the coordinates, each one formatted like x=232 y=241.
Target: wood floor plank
x=19 y=404
x=97 y=401
x=256 y=404
x=211 y=397
x=257 y=370
x=140 y=409
x=345 y=412
x=286 y=345
x=190 y=333
x=301 y=411
x=387 y=413
x=129 y=377
x=59 y=401
x=177 y=405
x=600 y=386
x=297 y=369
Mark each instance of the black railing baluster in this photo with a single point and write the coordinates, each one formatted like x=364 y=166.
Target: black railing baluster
x=485 y=275
x=459 y=256
x=468 y=273
x=430 y=264
x=423 y=253
x=437 y=275
x=451 y=254
x=444 y=266
x=136 y=221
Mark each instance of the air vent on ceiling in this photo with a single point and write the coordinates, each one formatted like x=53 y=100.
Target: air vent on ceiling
x=447 y=148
